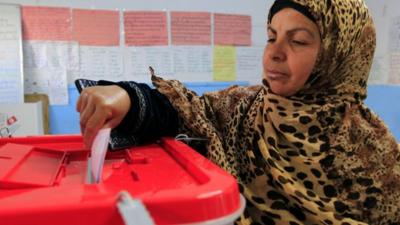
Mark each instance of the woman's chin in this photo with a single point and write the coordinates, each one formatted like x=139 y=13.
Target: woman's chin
x=279 y=91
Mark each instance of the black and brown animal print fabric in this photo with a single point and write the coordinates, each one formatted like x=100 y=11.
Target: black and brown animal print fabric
x=317 y=157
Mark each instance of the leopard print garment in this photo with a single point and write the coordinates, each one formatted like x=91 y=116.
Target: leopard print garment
x=318 y=157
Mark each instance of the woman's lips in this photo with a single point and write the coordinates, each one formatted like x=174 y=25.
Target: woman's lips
x=276 y=75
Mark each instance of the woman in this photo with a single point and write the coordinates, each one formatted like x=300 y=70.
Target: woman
x=303 y=146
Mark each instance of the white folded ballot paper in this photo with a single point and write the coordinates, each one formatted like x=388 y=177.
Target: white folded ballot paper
x=97 y=156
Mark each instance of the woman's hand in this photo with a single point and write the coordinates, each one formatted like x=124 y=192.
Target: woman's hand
x=101 y=107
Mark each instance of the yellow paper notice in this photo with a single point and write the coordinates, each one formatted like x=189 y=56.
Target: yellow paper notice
x=224 y=66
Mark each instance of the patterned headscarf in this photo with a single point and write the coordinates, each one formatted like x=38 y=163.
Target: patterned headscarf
x=317 y=157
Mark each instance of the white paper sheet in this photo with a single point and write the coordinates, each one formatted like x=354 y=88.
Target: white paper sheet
x=9 y=66
x=394 y=77
x=138 y=60
x=98 y=153
x=394 y=36
x=11 y=74
x=192 y=63
x=249 y=64
x=192 y=59
x=379 y=73
x=52 y=82
x=10 y=91
x=394 y=60
x=98 y=63
x=51 y=54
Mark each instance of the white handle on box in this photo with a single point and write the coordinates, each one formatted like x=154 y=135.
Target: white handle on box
x=133 y=212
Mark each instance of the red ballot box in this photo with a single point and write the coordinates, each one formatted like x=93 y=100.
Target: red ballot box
x=43 y=181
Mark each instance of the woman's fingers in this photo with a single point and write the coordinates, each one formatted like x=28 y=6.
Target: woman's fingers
x=95 y=122
x=87 y=108
x=81 y=103
x=92 y=109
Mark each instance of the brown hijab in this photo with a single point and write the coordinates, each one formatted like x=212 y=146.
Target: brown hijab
x=317 y=157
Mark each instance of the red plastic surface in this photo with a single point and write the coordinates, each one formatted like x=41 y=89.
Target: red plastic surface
x=42 y=181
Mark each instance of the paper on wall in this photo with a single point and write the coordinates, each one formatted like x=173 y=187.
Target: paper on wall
x=190 y=28
x=98 y=63
x=52 y=82
x=138 y=60
x=11 y=74
x=192 y=59
x=47 y=23
x=51 y=55
x=231 y=29
x=224 y=64
x=192 y=63
x=95 y=27
x=394 y=34
x=145 y=28
x=394 y=75
x=249 y=64
x=379 y=73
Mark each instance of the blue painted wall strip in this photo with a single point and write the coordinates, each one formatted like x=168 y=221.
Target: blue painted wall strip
x=384 y=100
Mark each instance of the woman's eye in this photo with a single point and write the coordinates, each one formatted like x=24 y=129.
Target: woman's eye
x=270 y=40
x=296 y=42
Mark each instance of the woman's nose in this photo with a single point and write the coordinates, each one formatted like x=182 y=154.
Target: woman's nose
x=276 y=51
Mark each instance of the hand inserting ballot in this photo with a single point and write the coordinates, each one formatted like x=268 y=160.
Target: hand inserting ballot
x=101 y=107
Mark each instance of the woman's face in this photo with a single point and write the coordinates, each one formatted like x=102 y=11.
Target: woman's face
x=291 y=52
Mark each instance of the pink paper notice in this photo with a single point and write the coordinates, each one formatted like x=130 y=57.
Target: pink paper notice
x=232 y=29
x=144 y=28
x=46 y=23
x=96 y=27
x=191 y=28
